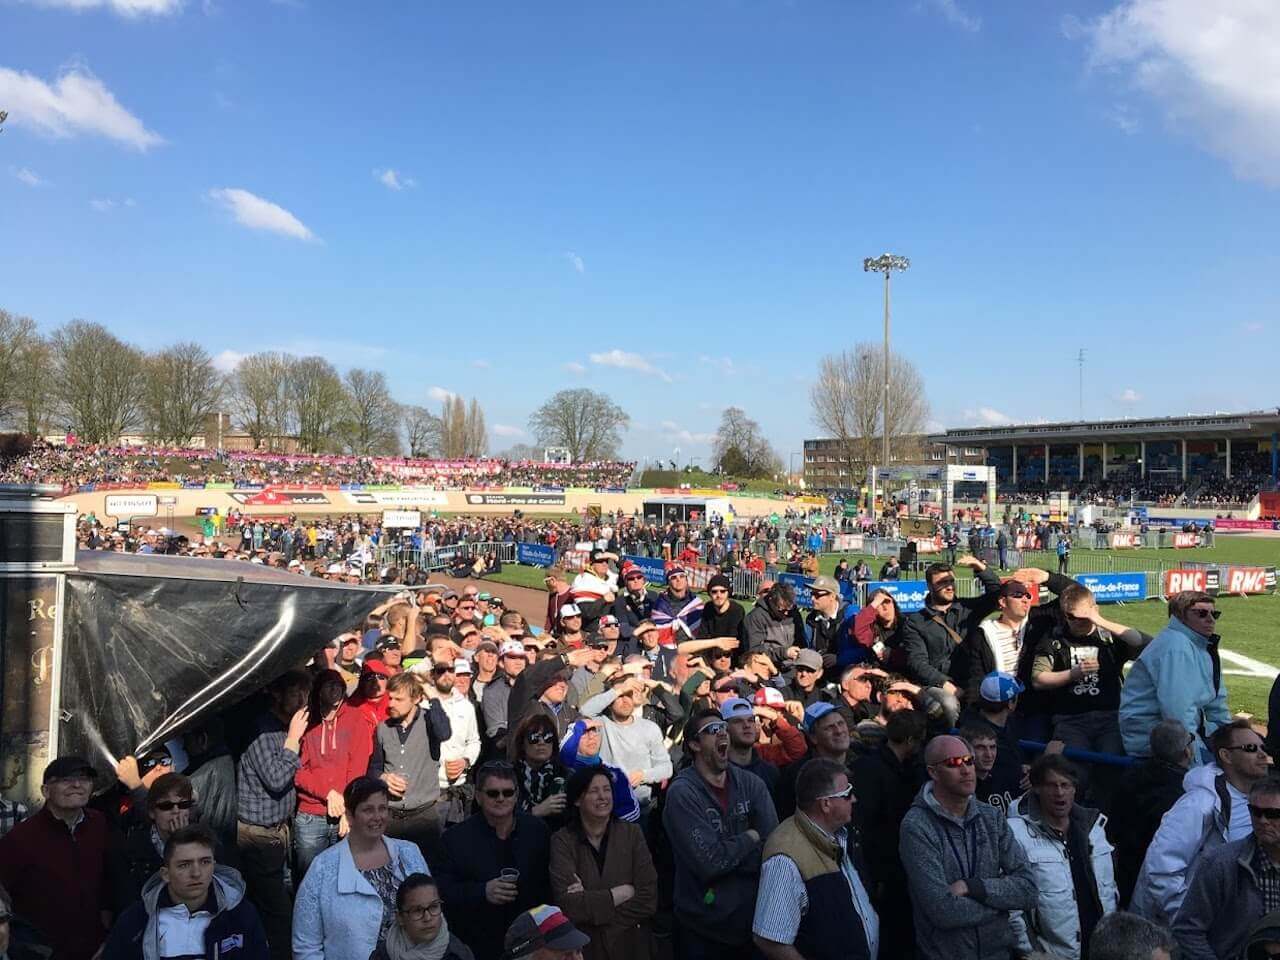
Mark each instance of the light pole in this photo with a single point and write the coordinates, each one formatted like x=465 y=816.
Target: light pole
x=886 y=263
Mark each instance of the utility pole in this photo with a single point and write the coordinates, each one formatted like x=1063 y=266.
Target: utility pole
x=1080 y=363
x=886 y=263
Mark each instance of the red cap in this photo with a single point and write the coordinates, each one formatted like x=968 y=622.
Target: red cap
x=375 y=666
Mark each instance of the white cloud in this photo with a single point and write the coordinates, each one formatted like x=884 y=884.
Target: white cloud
x=503 y=430
x=575 y=261
x=481 y=364
x=125 y=8
x=1129 y=395
x=77 y=102
x=574 y=368
x=1211 y=66
x=987 y=417
x=29 y=177
x=1253 y=326
x=394 y=180
x=440 y=394
x=952 y=13
x=227 y=360
x=1124 y=120
x=673 y=432
x=723 y=364
x=255 y=213
x=106 y=205
x=628 y=361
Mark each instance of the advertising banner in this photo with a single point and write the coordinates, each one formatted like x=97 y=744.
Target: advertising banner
x=402 y=497
x=535 y=554
x=909 y=595
x=131 y=505
x=1184 y=540
x=516 y=499
x=1124 y=541
x=1244 y=580
x=846 y=541
x=1176 y=581
x=1115 y=587
x=1244 y=525
x=402 y=519
x=655 y=570
x=280 y=498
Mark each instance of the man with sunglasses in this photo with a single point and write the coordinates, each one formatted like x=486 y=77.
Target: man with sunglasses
x=716 y=817
x=830 y=620
x=931 y=636
x=722 y=616
x=1212 y=811
x=1178 y=676
x=966 y=872
x=1234 y=886
x=634 y=602
x=812 y=902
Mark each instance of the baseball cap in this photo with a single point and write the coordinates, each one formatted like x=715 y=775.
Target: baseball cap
x=676 y=571
x=68 y=767
x=387 y=641
x=608 y=620
x=825 y=583
x=570 y=610
x=375 y=666
x=334 y=568
x=462 y=666
x=809 y=658
x=1014 y=588
x=541 y=927
x=600 y=556
x=815 y=712
x=630 y=570
x=735 y=707
x=511 y=648
x=487 y=645
x=769 y=697
x=719 y=580
x=999 y=687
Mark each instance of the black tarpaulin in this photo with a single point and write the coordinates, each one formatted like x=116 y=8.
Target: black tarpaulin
x=154 y=644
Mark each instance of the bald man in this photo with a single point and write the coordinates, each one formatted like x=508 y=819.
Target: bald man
x=968 y=873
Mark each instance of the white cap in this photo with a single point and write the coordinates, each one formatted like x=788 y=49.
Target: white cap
x=462 y=666
x=570 y=610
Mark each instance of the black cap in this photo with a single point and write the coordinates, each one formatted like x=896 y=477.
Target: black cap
x=68 y=767
x=719 y=580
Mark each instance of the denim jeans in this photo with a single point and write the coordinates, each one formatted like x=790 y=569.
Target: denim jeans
x=312 y=835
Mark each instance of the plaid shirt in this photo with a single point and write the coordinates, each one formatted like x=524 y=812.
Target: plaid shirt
x=12 y=813
x=1268 y=875
x=264 y=777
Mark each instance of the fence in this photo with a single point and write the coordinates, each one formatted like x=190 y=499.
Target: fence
x=402 y=553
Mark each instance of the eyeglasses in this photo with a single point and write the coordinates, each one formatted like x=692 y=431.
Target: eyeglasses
x=506 y=793
x=944 y=583
x=417 y=913
x=955 y=763
x=845 y=794
x=168 y=805
x=1245 y=747
x=715 y=728
x=545 y=736
x=805 y=670
x=442 y=668
x=715 y=590
x=819 y=594
x=1204 y=614
x=1266 y=813
x=72 y=778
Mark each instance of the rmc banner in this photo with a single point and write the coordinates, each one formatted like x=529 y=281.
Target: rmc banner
x=1115 y=587
x=535 y=554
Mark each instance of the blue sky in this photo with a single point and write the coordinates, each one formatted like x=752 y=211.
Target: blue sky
x=667 y=201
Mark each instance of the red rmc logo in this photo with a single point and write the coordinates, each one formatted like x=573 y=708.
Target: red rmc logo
x=1176 y=581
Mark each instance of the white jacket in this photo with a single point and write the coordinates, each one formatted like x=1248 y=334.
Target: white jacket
x=1199 y=821
x=464 y=737
x=1054 y=926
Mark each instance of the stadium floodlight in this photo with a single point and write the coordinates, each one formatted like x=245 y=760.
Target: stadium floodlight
x=886 y=263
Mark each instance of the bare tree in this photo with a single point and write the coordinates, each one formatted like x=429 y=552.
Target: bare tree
x=99 y=380
x=316 y=401
x=182 y=390
x=17 y=335
x=259 y=394
x=476 y=432
x=372 y=419
x=586 y=422
x=521 y=451
x=846 y=401
x=35 y=405
x=462 y=429
x=740 y=447
x=421 y=430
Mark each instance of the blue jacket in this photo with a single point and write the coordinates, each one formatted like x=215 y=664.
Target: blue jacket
x=1172 y=680
x=338 y=913
x=625 y=805
x=234 y=933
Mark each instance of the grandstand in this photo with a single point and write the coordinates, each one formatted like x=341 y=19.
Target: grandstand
x=1218 y=461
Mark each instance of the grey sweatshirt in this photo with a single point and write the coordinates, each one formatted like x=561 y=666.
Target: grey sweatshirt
x=717 y=865
x=637 y=745
x=978 y=848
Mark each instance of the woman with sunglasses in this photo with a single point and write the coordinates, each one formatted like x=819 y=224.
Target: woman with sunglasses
x=602 y=875
x=347 y=902
x=876 y=636
x=421 y=931
x=539 y=774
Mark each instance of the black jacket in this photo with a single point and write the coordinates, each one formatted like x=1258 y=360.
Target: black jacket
x=631 y=611
x=731 y=623
x=930 y=646
x=1142 y=797
x=885 y=788
x=471 y=855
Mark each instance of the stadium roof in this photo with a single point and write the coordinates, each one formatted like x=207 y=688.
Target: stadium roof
x=1257 y=423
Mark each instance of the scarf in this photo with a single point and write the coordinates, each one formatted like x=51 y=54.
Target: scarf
x=399 y=946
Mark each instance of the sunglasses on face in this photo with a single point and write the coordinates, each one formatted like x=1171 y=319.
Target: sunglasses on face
x=845 y=794
x=1245 y=747
x=506 y=793
x=417 y=913
x=944 y=583
x=1204 y=614
x=955 y=763
x=819 y=594
x=169 y=805
x=714 y=729
x=1266 y=813
x=805 y=670
x=545 y=736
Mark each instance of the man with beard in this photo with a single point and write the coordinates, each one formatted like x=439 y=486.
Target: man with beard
x=571 y=633
x=370 y=697
x=678 y=602
x=773 y=627
x=460 y=752
x=717 y=818
x=723 y=616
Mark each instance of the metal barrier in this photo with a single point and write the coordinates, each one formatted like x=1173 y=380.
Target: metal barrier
x=401 y=554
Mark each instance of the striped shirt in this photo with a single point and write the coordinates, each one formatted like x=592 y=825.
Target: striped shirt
x=1268 y=874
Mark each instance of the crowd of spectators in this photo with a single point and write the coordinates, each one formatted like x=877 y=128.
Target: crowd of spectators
x=653 y=772
x=1209 y=491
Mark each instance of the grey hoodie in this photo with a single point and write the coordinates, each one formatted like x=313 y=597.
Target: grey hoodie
x=228 y=886
x=979 y=849
x=717 y=865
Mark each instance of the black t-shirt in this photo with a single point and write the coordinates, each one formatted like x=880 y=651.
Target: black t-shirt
x=1100 y=691
x=731 y=623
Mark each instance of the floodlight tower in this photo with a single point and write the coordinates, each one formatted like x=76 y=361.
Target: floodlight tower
x=886 y=263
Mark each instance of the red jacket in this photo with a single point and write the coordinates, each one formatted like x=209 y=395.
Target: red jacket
x=374 y=710
x=787 y=746
x=59 y=882
x=333 y=753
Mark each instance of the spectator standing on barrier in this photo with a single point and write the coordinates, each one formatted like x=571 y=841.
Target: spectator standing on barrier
x=931 y=636
x=1234 y=886
x=266 y=799
x=1002 y=548
x=1143 y=795
x=885 y=783
x=812 y=901
x=967 y=874
x=1213 y=811
x=678 y=602
x=772 y=627
x=1177 y=677
x=717 y=818
x=1127 y=936
x=722 y=616
x=1070 y=856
